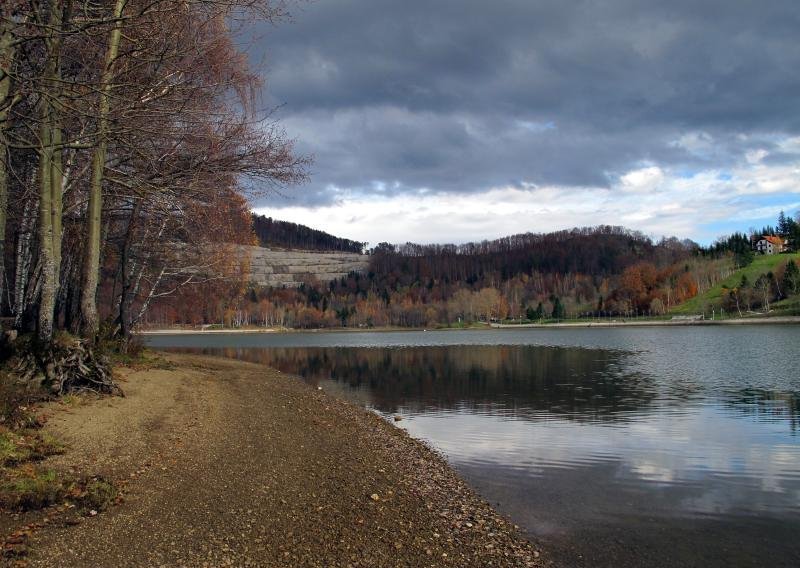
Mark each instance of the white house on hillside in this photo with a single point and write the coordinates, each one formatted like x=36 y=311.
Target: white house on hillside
x=770 y=245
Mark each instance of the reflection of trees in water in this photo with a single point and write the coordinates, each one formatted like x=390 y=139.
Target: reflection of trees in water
x=766 y=405
x=584 y=384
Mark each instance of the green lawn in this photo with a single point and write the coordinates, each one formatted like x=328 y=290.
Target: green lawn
x=787 y=307
x=713 y=297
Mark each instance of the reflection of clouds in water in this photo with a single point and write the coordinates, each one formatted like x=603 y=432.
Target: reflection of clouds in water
x=709 y=461
x=688 y=420
x=648 y=470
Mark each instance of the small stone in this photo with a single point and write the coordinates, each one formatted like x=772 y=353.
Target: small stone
x=398 y=418
x=375 y=497
x=93 y=513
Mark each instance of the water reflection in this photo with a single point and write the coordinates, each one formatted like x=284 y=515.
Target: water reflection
x=512 y=381
x=541 y=382
x=765 y=405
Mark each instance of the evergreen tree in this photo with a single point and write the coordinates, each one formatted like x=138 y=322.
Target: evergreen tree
x=783 y=227
x=558 y=309
x=793 y=234
x=744 y=257
x=791 y=279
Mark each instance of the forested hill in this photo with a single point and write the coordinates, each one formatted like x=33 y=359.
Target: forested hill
x=596 y=251
x=584 y=272
x=283 y=234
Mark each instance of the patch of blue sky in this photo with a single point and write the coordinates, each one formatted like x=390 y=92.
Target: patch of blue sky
x=685 y=173
x=537 y=126
x=723 y=228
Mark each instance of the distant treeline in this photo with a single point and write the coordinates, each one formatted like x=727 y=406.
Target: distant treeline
x=595 y=251
x=587 y=272
x=283 y=234
x=595 y=272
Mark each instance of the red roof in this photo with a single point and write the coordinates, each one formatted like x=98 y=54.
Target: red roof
x=774 y=240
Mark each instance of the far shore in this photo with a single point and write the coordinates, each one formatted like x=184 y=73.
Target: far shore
x=780 y=320
x=775 y=320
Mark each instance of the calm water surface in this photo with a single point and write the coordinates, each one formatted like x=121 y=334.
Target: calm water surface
x=612 y=447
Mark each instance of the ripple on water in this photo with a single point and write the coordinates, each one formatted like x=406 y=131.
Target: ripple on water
x=567 y=430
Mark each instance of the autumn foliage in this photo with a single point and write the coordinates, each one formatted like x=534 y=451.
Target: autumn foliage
x=600 y=272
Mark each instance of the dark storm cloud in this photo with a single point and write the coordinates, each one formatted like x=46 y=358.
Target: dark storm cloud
x=463 y=95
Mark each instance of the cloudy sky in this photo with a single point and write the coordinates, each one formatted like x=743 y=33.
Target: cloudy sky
x=457 y=120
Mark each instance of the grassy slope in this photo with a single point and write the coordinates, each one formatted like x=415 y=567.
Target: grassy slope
x=761 y=265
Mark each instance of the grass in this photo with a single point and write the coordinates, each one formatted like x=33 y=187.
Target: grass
x=26 y=446
x=97 y=495
x=712 y=298
x=25 y=483
x=787 y=307
x=460 y=325
x=31 y=488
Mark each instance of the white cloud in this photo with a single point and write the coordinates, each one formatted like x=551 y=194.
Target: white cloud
x=651 y=199
x=756 y=156
x=697 y=143
x=643 y=180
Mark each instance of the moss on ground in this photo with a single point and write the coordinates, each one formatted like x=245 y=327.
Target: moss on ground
x=97 y=495
x=31 y=487
x=25 y=483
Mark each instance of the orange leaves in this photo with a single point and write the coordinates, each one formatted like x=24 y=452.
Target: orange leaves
x=686 y=287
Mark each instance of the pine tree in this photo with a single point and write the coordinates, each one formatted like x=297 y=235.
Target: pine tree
x=558 y=309
x=783 y=225
x=791 y=279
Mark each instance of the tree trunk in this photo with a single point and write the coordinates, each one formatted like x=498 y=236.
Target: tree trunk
x=49 y=175
x=91 y=263
x=46 y=254
x=23 y=260
x=7 y=52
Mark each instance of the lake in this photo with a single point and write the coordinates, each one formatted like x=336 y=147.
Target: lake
x=610 y=447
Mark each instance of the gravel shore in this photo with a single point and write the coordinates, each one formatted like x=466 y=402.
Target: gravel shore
x=228 y=463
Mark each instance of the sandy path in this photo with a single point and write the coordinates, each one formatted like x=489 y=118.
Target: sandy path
x=239 y=465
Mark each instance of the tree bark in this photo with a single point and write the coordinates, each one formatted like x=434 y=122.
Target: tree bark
x=46 y=254
x=7 y=53
x=50 y=178
x=22 y=262
x=91 y=263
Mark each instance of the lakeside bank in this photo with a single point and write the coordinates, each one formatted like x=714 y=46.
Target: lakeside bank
x=776 y=320
x=228 y=463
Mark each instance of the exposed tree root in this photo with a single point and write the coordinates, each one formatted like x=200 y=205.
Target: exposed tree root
x=71 y=365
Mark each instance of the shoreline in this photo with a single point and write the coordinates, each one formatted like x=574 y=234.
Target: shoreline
x=231 y=463
x=774 y=320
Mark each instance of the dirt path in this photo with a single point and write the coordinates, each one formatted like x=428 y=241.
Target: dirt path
x=233 y=464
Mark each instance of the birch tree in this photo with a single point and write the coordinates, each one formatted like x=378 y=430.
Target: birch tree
x=91 y=262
